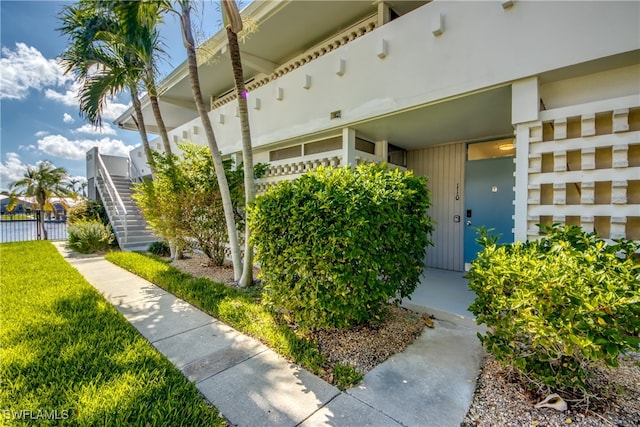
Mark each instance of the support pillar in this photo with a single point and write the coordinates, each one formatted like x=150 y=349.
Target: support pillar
x=349 y=147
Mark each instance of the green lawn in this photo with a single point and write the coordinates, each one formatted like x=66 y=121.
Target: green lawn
x=11 y=217
x=66 y=353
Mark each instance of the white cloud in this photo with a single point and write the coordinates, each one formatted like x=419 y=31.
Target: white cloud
x=11 y=170
x=29 y=147
x=111 y=110
x=26 y=68
x=69 y=97
x=89 y=129
x=67 y=118
x=60 y=146
x=41 y=133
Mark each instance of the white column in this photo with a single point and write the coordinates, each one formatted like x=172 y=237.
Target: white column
x=348 y=147
x=524 y=114
x=382 y=150
x=384 y=14
x=521 y=183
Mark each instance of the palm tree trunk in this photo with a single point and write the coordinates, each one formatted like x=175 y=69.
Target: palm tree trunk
x=155 y=106
x=247 y=153
x=225 y=194
x=41 y=198
x=141 y=128
x=157 y=114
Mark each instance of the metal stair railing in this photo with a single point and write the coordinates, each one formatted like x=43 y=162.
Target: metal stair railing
x=134 y=172
x=111 y=192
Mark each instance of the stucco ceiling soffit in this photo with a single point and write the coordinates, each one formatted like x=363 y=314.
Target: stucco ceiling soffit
x=188 y=104
x=155 y=129
x=254 y=62
x=259 y=64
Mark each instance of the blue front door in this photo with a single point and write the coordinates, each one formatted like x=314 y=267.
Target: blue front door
x=488 y=201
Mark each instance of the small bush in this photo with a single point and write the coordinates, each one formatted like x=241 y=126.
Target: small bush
x=87 y=210
x=160 y=248
x=89 y=237
x=336 y=245
x=557 y=306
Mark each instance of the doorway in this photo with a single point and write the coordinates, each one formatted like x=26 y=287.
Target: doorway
x=489 y=195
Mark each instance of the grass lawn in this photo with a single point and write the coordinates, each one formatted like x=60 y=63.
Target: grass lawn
x=67 y=356
x=11 y=217
x=238 y=308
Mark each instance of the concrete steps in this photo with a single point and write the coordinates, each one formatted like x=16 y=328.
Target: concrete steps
x=139 y=236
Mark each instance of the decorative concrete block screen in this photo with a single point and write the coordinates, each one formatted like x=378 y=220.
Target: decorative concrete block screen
x=585 y=170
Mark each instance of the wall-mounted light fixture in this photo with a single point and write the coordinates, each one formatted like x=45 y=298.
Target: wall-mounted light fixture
x=437 y=24
x=383 y=49
x=340 y=67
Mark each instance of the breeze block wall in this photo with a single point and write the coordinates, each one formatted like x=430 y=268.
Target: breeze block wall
x=584 y=169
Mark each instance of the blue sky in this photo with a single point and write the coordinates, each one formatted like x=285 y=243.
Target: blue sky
x=39 y=116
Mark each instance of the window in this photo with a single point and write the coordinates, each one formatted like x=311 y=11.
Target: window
x=397 y=155
x=285 y=153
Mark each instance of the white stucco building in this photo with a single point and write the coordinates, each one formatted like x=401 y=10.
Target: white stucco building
x=519 y=112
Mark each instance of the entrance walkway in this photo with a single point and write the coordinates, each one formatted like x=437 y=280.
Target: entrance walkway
x=445 y=295
x=431 y=383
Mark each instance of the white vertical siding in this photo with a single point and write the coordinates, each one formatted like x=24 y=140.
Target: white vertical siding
x=444 y=167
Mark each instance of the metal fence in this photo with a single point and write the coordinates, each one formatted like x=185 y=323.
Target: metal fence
x=17 y=228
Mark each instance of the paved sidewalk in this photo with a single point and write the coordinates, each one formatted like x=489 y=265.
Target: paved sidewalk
x=430 y=384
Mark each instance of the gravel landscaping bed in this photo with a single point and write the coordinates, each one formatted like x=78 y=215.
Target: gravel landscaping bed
x=501 y=402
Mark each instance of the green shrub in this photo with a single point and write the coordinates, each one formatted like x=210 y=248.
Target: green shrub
x=89 y=237
x=183 y=202
x=160 y=248
x=336 y=245
x=87 y=210
x=557 y=306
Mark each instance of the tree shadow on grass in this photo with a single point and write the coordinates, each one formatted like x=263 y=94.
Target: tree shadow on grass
x=86 y=359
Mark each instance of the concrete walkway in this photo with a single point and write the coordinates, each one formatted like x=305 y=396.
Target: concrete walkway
x=430 y=384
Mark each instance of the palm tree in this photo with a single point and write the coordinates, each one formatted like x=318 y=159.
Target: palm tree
x=72 y=184
x=42 y=183
x=233 y=25
x=104 y=62
x=83 y=187
x=189 y=43
x=139 y=24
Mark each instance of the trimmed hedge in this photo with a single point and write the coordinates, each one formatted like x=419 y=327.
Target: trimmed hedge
x=336 y=245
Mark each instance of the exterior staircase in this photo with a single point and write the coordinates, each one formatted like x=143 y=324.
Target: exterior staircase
x=138 y=235
x=129 y=226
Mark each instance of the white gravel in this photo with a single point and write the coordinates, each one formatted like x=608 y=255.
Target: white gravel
x=499 y=402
